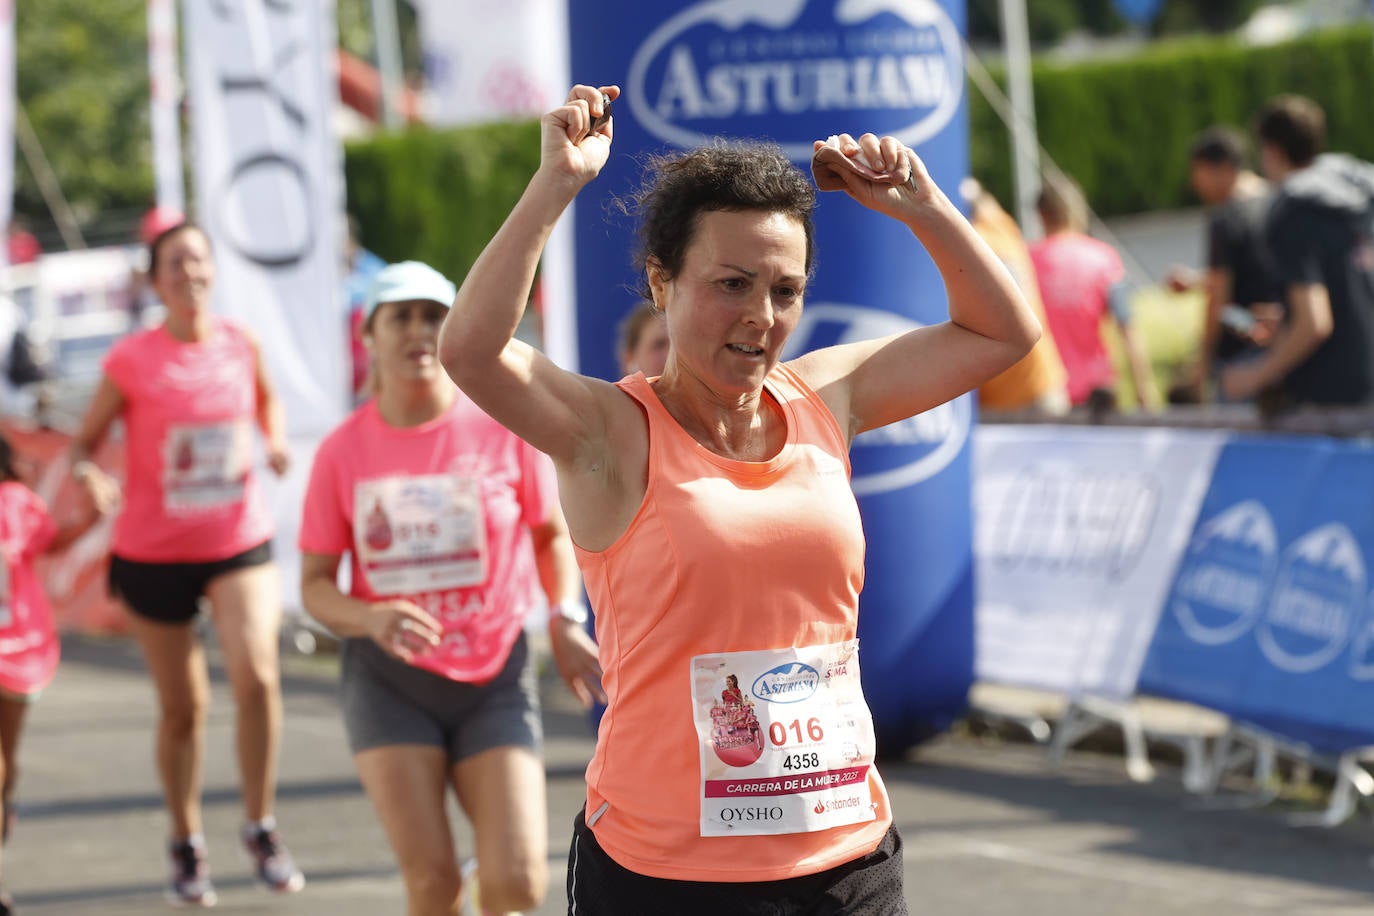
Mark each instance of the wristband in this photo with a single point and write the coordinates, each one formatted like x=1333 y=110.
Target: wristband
x=570 y=609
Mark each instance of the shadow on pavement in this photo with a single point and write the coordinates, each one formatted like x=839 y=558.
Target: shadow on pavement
x=117 y=893
x=152 y=801
x=1157 y=818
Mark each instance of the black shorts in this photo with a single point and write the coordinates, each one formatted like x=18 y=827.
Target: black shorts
x=867 y=886
x=171 y=592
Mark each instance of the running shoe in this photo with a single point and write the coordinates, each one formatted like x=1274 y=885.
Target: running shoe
x=272 y=861
x=190 y=885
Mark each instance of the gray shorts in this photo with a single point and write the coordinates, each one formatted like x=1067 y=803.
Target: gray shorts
x=387 y=702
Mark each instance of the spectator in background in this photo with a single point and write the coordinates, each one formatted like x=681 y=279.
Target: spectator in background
x=1320 y=232
x=1082 y=280
x=360 y=267
x=643 y=341
x=1243 y=297
x=1038 y=382
x=23 y=246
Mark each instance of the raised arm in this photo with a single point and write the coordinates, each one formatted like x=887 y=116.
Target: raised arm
x=554 y=410
x=873 y=383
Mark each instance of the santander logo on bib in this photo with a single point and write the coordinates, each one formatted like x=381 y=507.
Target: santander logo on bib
x=783 y=68
x=900 y=454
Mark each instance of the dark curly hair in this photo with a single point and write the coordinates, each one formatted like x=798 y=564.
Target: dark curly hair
x=733 y=176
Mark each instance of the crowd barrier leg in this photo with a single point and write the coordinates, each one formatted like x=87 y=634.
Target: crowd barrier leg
x=1085 y=714
x=1353 y=782
x=1026 y=708
x=1238 y=747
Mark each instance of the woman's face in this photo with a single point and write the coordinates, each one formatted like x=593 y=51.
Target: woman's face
x=650 y=350
x=737 y=298
x=185 y=272
x=404 y=340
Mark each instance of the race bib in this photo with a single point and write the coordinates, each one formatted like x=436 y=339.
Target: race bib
x=420 y=534
x=205 y=466
x=785 y=739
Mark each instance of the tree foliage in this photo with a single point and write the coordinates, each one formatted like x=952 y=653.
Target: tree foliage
x=1050 y=21
x=1122 y=127
x=82 y=78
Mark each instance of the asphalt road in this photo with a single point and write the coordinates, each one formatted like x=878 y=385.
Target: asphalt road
x=990 y=829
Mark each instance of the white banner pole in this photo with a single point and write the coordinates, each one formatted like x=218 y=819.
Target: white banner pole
x=7 y=105
x=164 y=82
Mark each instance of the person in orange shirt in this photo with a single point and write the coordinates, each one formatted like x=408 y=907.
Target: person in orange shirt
x=1038 y=382
x=712 y=515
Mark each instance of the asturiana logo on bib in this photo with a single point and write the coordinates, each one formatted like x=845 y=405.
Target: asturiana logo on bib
x=788 y=683
x=900 y=454
x=1316 y=601
x=782 y=68
x=1226 y=574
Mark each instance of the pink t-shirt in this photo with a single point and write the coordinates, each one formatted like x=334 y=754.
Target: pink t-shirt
x=1075 y=273
x=28 y=640
x=189 y=408
x=439 y=514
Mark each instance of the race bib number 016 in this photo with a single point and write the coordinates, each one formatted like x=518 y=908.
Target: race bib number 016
x=420 y=534
x=785 y=740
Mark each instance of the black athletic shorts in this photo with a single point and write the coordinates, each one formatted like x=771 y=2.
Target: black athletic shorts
x=868 y=886
x=171 y=592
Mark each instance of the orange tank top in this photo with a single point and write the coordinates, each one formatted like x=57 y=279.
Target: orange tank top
x=750 y=569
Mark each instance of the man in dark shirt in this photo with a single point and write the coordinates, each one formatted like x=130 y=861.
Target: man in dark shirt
x=1243 y=295
x=1320 y=231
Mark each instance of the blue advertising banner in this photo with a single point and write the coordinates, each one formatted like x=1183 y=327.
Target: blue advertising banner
x=794 y=71
x=1270 y=619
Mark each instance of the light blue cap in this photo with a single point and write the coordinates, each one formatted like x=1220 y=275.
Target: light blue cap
x=407 y=280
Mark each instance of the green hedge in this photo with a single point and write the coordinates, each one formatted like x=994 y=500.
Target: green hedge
x=1122 y=127
x=439 y=196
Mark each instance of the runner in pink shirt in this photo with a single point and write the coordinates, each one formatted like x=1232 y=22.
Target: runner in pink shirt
x=194 y=525
x=1082 y=281
x=28 y=639
x=451 y=526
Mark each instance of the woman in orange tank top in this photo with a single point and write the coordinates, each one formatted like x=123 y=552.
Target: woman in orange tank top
x=714 y=524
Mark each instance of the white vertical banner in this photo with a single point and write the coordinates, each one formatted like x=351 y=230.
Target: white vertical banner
x=164 y=81
x=7 y=103
x=268 y=179
x=502 y=60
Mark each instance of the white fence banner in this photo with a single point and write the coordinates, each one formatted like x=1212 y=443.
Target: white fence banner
x=164 y=81
x=1077 y=533
x=493 y=60
x=7 y=103
x=268 y=177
